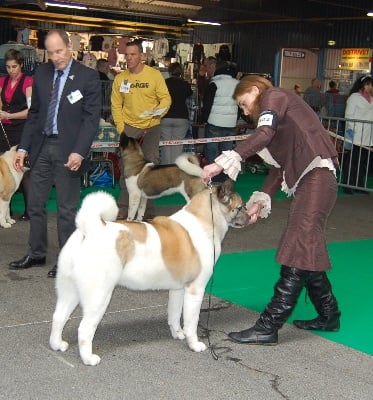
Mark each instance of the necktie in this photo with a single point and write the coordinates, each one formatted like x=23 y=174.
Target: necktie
x=52 y=105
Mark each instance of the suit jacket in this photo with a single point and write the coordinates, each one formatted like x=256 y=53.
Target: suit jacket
x=77 y=123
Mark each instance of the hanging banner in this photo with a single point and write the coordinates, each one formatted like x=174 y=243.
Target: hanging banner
x=356 y=59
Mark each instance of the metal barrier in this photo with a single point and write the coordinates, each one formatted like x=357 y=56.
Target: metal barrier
x=327 y=104
x=355 y=153
x=353 y=140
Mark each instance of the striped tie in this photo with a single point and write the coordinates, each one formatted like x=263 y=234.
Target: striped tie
x=52 y=105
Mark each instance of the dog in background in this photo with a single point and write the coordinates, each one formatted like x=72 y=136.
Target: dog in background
x=10 y=180
x=176 y=253
x=145 y=180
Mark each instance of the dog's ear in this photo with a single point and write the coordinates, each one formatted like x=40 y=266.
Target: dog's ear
x=224 y=191
x=123 y=141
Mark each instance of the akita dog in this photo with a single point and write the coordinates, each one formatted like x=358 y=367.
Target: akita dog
x=176 y=253
x=145 y=180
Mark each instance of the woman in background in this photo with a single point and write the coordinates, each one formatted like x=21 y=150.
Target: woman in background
x=175 y=123
x=219 y=112
x=359 y=135
x=15 y=100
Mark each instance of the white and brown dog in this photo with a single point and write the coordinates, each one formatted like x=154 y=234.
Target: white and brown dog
x=10 y=180
x=145 y=180
x=177 y=253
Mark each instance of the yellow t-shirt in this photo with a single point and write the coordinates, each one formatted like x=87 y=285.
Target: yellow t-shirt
x=135 y=96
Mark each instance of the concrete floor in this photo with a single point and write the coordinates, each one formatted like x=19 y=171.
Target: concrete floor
x=140 y=360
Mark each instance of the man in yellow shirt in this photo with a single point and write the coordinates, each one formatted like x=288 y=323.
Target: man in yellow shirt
x=139 y=100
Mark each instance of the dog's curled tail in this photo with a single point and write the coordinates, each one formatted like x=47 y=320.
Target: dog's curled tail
x=189 y=163
x=96 y=207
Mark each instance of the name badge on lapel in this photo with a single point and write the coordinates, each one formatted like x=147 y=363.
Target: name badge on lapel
x=74 y=96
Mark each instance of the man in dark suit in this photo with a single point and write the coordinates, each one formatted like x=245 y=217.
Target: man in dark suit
x=58 y=142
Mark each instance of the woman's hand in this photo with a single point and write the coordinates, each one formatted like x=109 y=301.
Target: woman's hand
x=210 y=171
x=253 y=212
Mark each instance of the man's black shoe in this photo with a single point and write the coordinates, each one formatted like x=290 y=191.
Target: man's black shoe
x=24 y=217
x=53 y=272
x=26 y=262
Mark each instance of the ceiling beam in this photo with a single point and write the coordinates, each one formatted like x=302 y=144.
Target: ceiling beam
x=91 y=21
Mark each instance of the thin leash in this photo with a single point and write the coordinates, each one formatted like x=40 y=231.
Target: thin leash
x=5 y=135
x=211 y=346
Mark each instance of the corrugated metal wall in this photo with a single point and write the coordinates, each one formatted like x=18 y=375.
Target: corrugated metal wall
x=255 y=45
x=7 y=32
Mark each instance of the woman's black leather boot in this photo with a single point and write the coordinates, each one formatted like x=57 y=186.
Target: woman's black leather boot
x=286 y=293
x=320 y=293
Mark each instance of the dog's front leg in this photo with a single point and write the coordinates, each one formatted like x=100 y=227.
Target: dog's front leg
x=192 y=306
x=134 y=197
x=5 y=220
x=141 y=209
x=133 y=205
x=175 y=308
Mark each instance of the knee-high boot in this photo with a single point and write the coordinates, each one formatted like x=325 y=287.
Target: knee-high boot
x=286 y=294
x=320 y=293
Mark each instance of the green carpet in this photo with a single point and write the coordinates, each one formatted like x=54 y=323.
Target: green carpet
x=247 y=279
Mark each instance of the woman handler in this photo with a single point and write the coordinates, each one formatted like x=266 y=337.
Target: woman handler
x=290 y=138
x=15 y=101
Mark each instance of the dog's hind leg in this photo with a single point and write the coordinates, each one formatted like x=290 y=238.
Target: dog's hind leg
x=175 y=308
x=94 y=307
x=67 y=300
x=192 y=306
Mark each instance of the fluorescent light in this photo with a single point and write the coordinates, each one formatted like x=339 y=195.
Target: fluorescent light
x=204 y=22
x=67 y=5
x=370 y=14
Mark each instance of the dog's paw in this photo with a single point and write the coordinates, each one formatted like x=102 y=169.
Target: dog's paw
x=6 y=224
x=61 y=346
x=177 y=334
x=93 y=360
x=64 y=346
x=197 y=346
